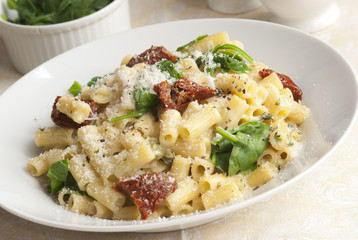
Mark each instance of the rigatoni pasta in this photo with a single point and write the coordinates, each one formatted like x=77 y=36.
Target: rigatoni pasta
x=171 y=133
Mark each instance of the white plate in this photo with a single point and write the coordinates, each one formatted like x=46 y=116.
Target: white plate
x=327 y=80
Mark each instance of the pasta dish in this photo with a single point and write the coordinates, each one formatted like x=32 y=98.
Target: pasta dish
x=170 y=132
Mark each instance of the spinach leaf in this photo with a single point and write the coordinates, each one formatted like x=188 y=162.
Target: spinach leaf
x=58 y=173
x=238 y=149
x=145 y=101
x=61 y=177
x=192 y=42
x=42 y=12
x=168 y=66
x=75 y=89
x=225 y=57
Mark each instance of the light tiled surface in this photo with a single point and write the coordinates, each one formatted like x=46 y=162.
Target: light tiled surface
x=323 y=205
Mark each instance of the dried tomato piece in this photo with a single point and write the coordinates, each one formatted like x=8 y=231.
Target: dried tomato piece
x=151 y=56
x=163 y=91
x=286 y=82
x=148 y=190
x=186 y=91
x=181 y=93
x=62 y=120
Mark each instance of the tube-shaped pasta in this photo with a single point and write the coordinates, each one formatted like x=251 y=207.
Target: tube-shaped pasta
x=127 y=213
x=231 y=109
x=110 y=138
x=130 y=138
x=193 y=108
x=138 y=156
x=221 y=195
x=91 y=140
x=160 y=212
x=211 y=182
x=259 y=97
x=81 y=204
x=193 y=127
x=106 y=195
x=40 y=164
x=269 y=155
x=237 y=84
x=199 y=147
x=298 y=113
x=277 y=104
x=147 y=126
x=102 y=211
x=191 y=71
x=55 y=137
x=262 y=174
x=74 y=108
x=180 y=167
x=209 y=42
x=168 y=127
x=187 y=190
x=197 y=204
x=279 y=134
x=183 y=209
x=63 y=196
x=201 y=167
x=272 y=79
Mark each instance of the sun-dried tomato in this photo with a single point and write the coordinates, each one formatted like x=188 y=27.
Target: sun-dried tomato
x=151 y=56
x=62 y=120
x=286 y=82
x=181 y=93
x=148 y=190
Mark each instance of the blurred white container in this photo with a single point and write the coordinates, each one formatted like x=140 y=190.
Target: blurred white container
x=29 y=46
x=307 y=15
x=233 y=6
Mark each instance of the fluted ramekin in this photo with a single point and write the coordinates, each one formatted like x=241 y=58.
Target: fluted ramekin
x=29 y=46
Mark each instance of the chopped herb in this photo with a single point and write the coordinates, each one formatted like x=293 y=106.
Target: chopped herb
x=266 y=116
x=278 y=102
x=75 y=89
x=290 y=126
x=93 y=81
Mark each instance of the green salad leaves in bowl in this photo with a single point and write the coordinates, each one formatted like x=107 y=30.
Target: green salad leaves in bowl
x=34 y=31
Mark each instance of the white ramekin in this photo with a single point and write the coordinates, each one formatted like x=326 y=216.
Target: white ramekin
x=306 y=15
x=233 y=6
x=29 y=46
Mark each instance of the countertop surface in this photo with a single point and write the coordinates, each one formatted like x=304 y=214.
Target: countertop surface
x=323 y=205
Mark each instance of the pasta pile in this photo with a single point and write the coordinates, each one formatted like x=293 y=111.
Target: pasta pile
x=140 y=130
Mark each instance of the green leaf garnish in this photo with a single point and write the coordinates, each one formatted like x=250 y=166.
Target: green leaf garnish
x=168 y=66
x=238 y=149
x=58 y=173
x=93 y=81
x=75 y=89
x=145 y=101
x=192 y=42
x=232 y=58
